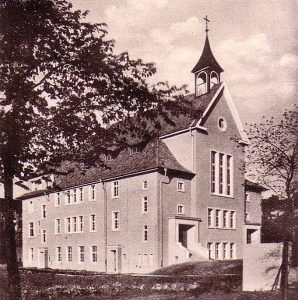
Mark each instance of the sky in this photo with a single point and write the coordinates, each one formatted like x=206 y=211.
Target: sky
x=254 y=41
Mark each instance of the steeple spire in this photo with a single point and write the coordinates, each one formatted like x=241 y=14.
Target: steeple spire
x=207 y=70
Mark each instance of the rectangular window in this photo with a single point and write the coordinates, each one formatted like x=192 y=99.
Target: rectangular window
x=81 y=253
x=213 y=168
x=74 y=224
x=115 y=189
x=145 y=205
x=180 y=186
x=94 y=253
x=43 y=237
x=229 y=159
x=139 y=259
x=145 y=185
x=225 y=219
x=221 y=173
x=224 y=250
x=58 y=226
x=58 y=254
x=209 y=249
x=68 y=197
x=31 y=228
x=210 y=218
x=180 y=209
x=145 y=233
x=57 y=199
x=69 y=253
x=30 y=207
x=38 y=228
x=68 y=225
x=217 y=218
x=92 y=223
x=232 y=250
x=81 y=194
x=115 y=220
x=92 y=192
x=43 y=211
x=217 y=250
x=74 y=193
x=31 y=254
x=247 y=198
x=232 y=220
x=81 y=223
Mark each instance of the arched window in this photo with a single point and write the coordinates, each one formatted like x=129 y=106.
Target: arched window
x=201 y=82
x=213 y=79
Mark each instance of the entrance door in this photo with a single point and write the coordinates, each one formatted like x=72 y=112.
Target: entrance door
x=183 y=234
x=43 y=258
x=114 y=260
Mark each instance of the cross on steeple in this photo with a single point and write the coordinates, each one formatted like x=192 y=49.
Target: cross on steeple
x=206 y=19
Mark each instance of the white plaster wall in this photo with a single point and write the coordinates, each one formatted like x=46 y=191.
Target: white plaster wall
x=261 y=263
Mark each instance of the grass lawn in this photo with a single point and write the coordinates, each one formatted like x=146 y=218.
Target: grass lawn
x=199 y=280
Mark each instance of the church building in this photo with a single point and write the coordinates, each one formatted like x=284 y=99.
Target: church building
x=179 y=198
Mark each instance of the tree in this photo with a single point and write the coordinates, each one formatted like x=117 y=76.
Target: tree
x=61 y=88
x=272 y=159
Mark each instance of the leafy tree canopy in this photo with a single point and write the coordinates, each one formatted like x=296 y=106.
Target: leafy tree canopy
x=62 y=86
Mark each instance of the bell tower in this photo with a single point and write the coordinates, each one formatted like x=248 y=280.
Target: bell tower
x=207 y=70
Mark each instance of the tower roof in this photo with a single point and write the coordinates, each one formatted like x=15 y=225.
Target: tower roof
x=207 y=59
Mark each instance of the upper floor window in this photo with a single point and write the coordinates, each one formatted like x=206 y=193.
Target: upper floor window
x=222 y=124
x=115 y=220
x=31 y=229
x=92 y=192
x=43 y=237
x=57 y=226
x=115 y=189
x=247 y=197
x=201 y=84
x=74 y=224
x=57 y=199
x=81 y=196
x=145 y=185
x=43 y=211
x=92 y=223
x=74 y=194
x=68 y=197
x=232 y=250
x=221 y=173
x=145 y=233
x=180 y=186
x=134 y=149
x=180 y=209
x=223 y=219
x=68 y=225
x=144 y=205
x=233 y=219
x=81 y=223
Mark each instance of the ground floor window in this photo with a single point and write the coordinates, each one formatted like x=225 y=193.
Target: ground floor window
x=94 y=253
x=69 y=253
x=58 y=253
x=221 y=250
x=81 y=253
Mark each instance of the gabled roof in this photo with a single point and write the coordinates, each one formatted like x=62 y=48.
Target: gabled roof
x=198 y=104
x=207 y=59
x=153 y=156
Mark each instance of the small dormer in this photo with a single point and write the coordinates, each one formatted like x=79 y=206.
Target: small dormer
x=207 y=70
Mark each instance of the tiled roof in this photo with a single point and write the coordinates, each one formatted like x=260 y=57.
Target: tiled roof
x=154 y=155
x=198 y=104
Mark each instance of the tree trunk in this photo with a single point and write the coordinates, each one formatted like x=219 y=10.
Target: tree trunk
x=13 y=274
x=284 y=270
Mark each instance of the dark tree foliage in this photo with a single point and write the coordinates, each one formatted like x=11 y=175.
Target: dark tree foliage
x=61 y=88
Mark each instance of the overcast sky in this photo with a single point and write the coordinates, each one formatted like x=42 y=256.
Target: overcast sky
x=253 y=41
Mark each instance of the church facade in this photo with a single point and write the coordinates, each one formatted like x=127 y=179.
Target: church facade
x=179 y=198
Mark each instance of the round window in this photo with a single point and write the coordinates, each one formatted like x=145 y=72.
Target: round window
x=222 y=124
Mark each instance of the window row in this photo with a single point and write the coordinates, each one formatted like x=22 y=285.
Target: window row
x=221 y=174
x=221 y=250
x=71 y=225
x=145 y=260
x=221 y=218
x=81 y=254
